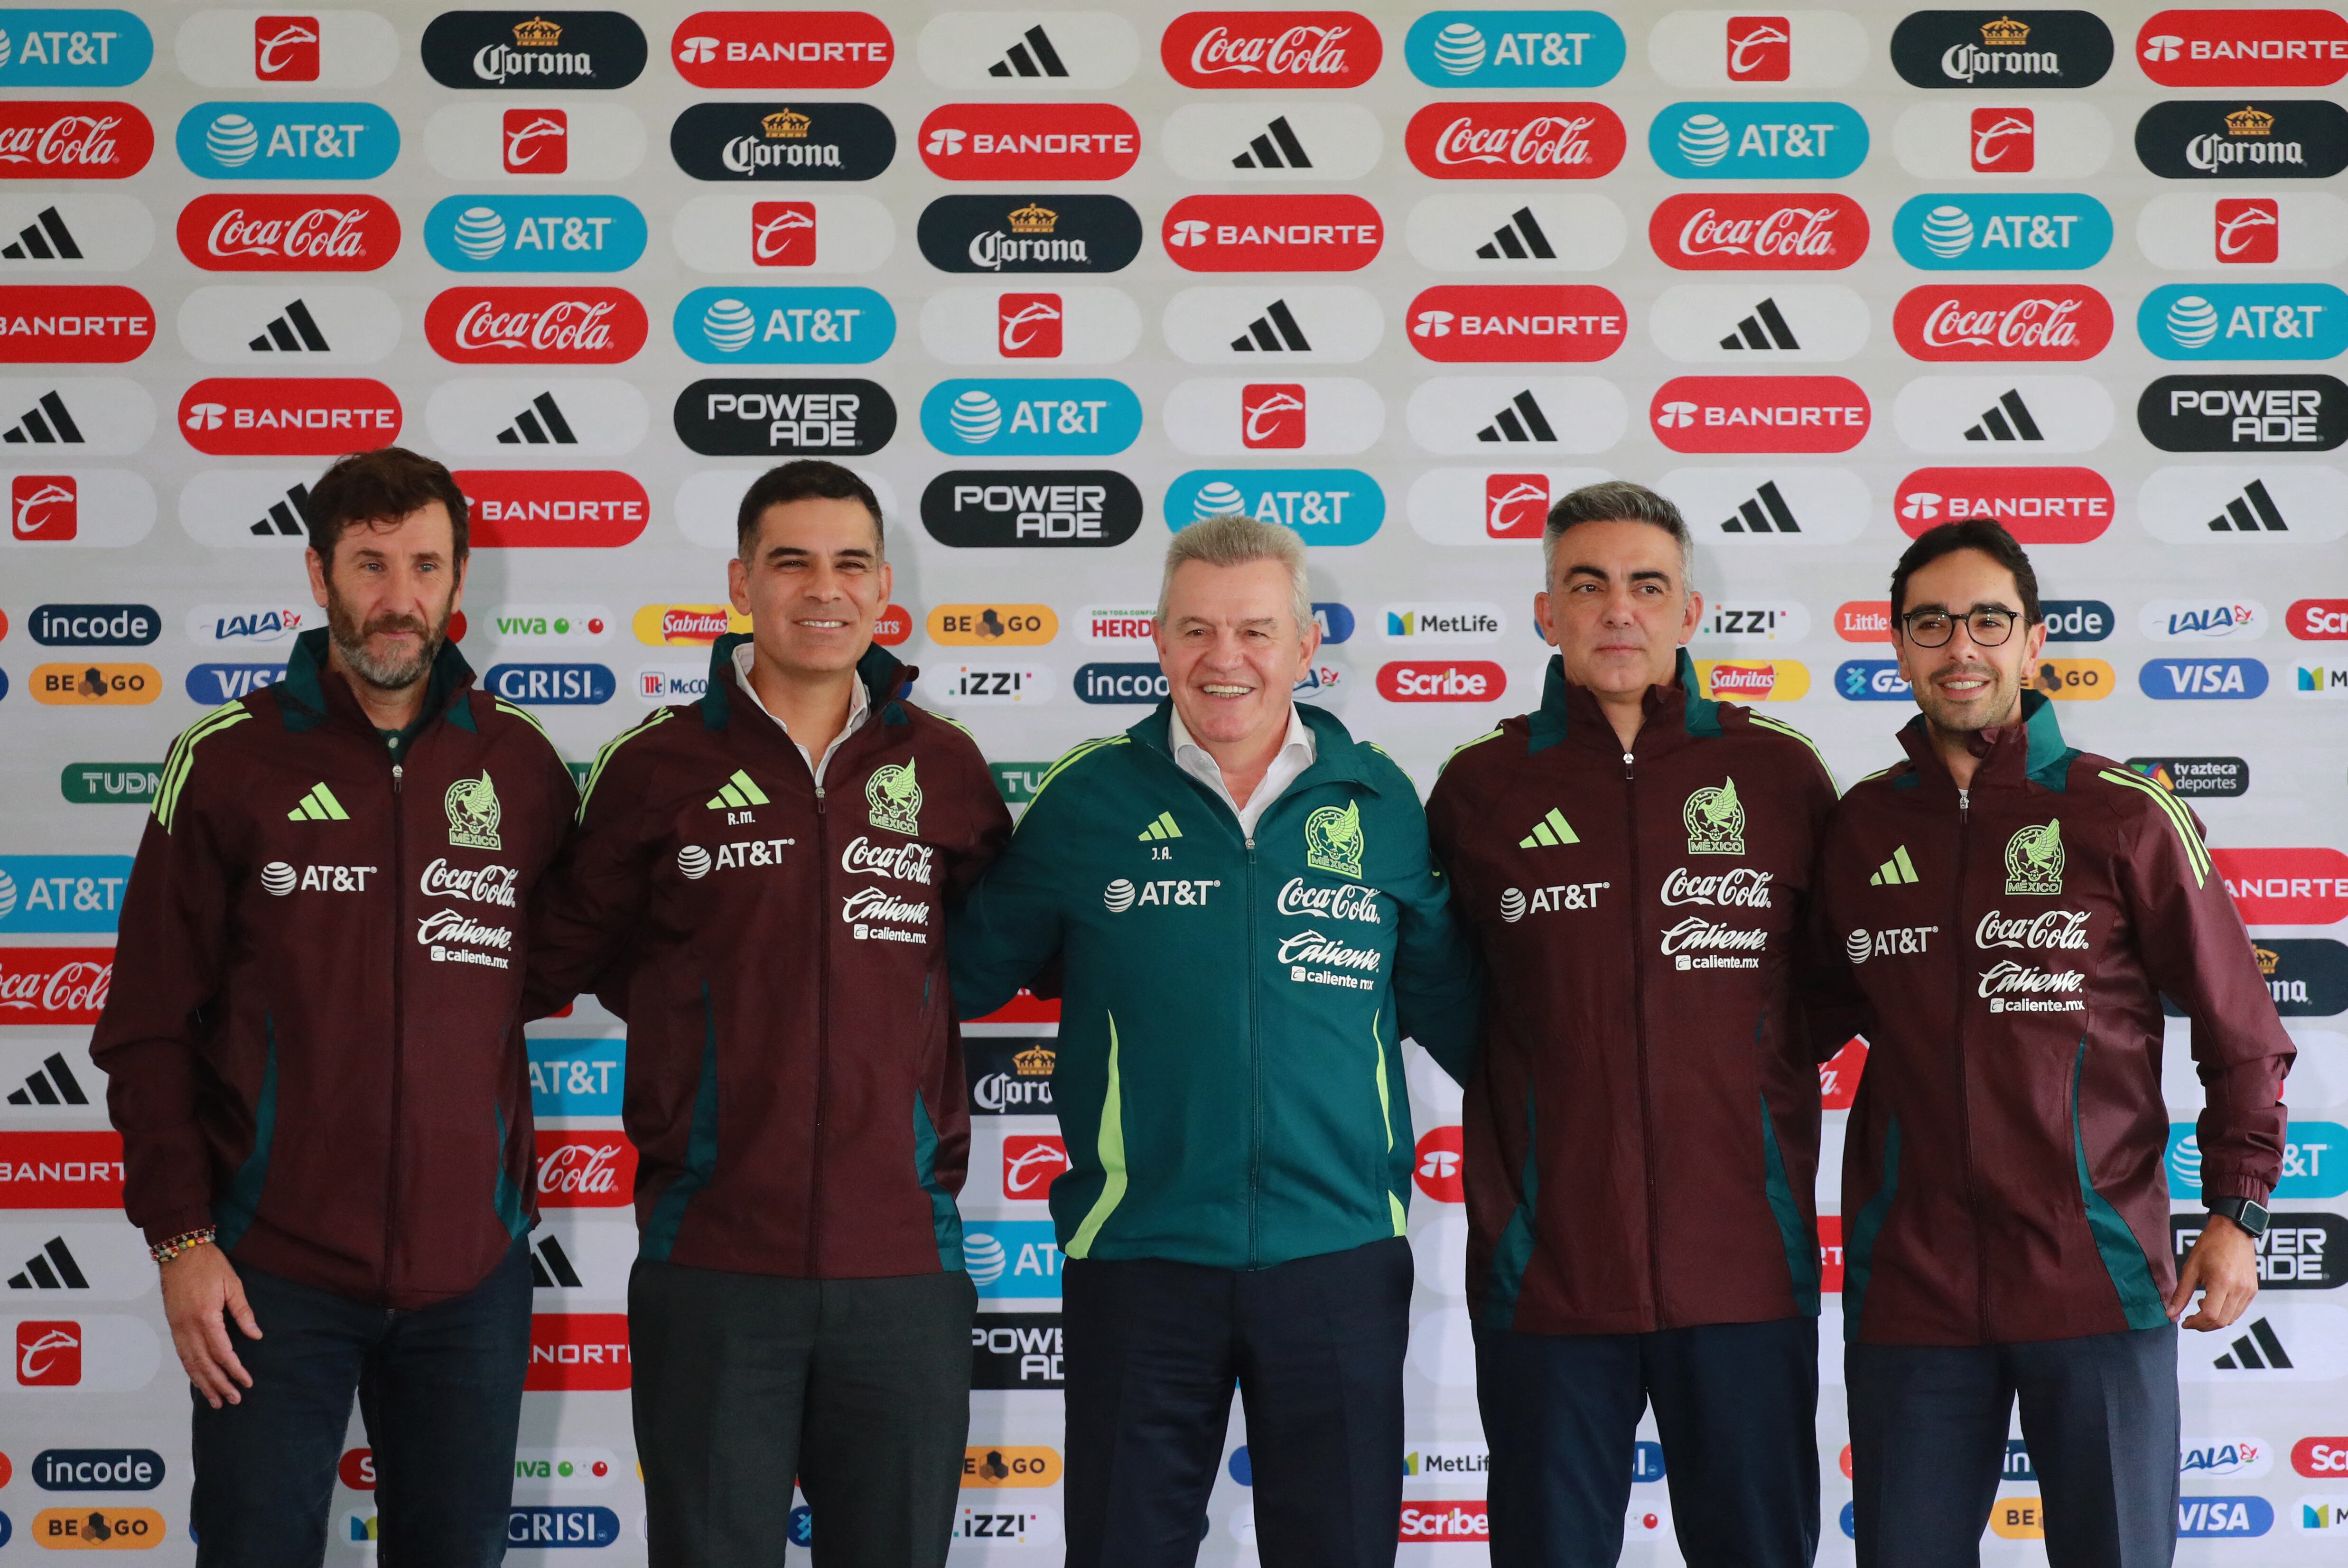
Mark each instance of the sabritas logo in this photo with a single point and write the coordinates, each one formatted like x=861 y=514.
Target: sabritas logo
x=1288 y=232
x=2274 y=48
x=522 y=507
x=321 y=416
x=1271 y=49
x=1030 y=141
x=893 y=626
x=1031 y=1162
x=1726 y=231
x=49 y=139
x=577 y=326
x=2002 y=322
x=1516 y=322
x=1463 y=1521
x=584 y=1350
x=686 y=625
x=1760 y=414
x=736 y=50
x=1438 y=1170
x=586 y=1170
x=57 y=1170
x=2037 y=506
x=2249 y=229
x=270 y=233
x=2318 y=620
x=2286 y=886
x=44 y=507
x=1753 y=680
x=1442 y=680
x=1515 y=140
x=90 y=324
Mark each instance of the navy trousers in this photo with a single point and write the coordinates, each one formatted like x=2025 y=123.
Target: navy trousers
x=2099 y=1415
x=1736 y=1406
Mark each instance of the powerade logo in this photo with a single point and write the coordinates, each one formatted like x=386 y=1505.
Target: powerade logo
x=1121 y=683
x=76 y=48
x=552 y=686
x=2187 y=680
x=1762 y=141
x=2315 y=1159
x=288 y=141
x=1871 y=680
x=1514 y=49
x=1325 y=506
x=485 y=233
x=736 y=416
x=2007 y=232
x=540 y=1525
x=784 y=327
x=2244 y=321
x=2205 y=1516
x=1012 y=1258
x=61 y=892
x=2302 y=413
x=575 y=1077
x=213 y=685
x=1037 y=418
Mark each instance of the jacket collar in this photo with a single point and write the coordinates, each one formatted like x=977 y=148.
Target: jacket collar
x=1337 y=757
x=313 y=691
x=1673 y=711
x=885 y=676
x=2012 y=756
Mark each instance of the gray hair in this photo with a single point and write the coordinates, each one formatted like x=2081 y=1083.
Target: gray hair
x=1617 y=501
x=1235 y=539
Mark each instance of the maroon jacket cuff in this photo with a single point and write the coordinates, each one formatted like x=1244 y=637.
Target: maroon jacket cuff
x=2217 y=1186
x=176 y=1223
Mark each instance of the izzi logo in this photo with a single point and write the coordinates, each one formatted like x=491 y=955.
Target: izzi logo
x=741 y=417
x=785 y=326
x=288 y=141
x=530 y=51
x=782 y=141
x=2244 y=321
x=2306 y=413
x=1060 y=234
x=487 y=234
x=1038 y=418
x=1950 y=231
x=2002 y=50
x=1758 y=140
x=1514 y=49
x=74 y=49
x=1325 y=506
x=1000 y=509
x=2268 y=138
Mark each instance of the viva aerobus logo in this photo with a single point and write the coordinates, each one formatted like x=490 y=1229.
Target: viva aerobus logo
x=1040 y=417
x=738 y=325
x=2005 y=232
x=766 y=141
x=80 y=47
x=491 y=233
x=2244 y=321
x=1758 y=140
x=1324 y=506
x=2264 y=138
x=534 y=51
x=288 y=141
x=1514 y=49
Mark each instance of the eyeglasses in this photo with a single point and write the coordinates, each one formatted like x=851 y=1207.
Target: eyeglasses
x=1987 y=625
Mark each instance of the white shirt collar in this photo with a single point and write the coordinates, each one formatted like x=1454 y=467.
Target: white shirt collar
x=1296 y=754
x=859 y=707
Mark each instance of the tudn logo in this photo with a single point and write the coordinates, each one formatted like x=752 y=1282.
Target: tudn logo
x=1117 y=897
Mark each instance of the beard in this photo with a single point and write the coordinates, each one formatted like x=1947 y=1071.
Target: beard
x=391 y=673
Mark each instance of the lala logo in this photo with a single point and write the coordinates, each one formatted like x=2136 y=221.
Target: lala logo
x=1027 y=326
x=1760 y=49
x=2005 y=141
x=536 y=141
x=2249 y=229
x=1515 y=506
x=286 y=48
x=1271 y=415
x=782 y=234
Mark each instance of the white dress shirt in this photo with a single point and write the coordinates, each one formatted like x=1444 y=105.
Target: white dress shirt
x=1296 y=754
x=860 y=708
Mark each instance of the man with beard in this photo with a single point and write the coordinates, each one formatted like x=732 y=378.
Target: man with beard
x=315 y=1059
x=2005 y=915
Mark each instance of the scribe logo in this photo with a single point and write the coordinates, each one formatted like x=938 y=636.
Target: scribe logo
x=90 y=324
x=782 y=141
x=278 y=416
x=2286 y=886
x=1440 y=680
x=740 y=50
x=576 y=325
x=1725 y=230
x=2036 y=505
x=1288 y=232
x=530 y=51
x=580 y=508
x=1060 y=234
x=2218 y=48
x=1760 y=48
x=2318 y=620
x=1515 y=140
x=269 y=233
x=1030 y=141
x=48 y=139
x=1270 y=49
x=1456 y=323
x=1466 y=1520
x=2002 y=322
x=1760 y=414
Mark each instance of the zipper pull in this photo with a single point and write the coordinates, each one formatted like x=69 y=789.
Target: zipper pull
x=819 y=800
x=396 y=771
x=1964 y=801
x=1627 y=761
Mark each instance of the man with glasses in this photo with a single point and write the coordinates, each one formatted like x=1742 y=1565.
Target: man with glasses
x=2003 y=916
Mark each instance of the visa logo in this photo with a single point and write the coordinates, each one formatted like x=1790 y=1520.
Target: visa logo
x=213 y=685
x=2206 y=1516
x=2170 y=680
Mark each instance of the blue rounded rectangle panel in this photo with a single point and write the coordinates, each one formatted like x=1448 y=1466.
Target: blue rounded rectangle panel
x=1326 y=506
x=2002 y=231
x=221 y=141
x=1514 y=49
x=738 y=325
x=1056 y=417
x=2244 y=321
x=1762 y=139
x=497 y=234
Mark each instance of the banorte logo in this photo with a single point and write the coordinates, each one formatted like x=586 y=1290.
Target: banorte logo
x=1442 y=680
x=1029 y=141
x=1439 y=1170
x=740 y=49
x=60 y=1170
x=2036 y=505
x=53 y=985
x=1284 y=233
x=1271 y=49
x=2002 y=322
x=586 y=1170
x=1819 y=230
x=48 y=139
x=1493 y=141
x=527 y=508
x=2261 y=49
x=1460 y=323
x=579 y=1351
x=277 y=232
x=86 y=323
x=1760 y=414
x=2286 y=886
x=236 y=415
x=577 y=326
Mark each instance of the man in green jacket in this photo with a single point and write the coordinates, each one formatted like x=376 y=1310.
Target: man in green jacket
x=1249 y=923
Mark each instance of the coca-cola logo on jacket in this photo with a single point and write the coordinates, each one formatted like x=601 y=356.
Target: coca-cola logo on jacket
x=1029 y=141
x=1518 y=322
x=88 y=324
x=553 y=508
x=1285 y=233
x=278 y=233
x=582 y=326
x=2037 y=505
x=321 y=416
x=49 y=139
x=2003 y=321
x=1515 y=140
x=586 y=1170
x=2224 y=49
x=752 y=50
x=1817 y=231
x=53 y=985
x=1271 y=49
x=1760 y=414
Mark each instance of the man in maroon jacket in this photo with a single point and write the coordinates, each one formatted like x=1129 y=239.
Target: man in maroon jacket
x=1642 y=1125
x=2005 y=913
x=758 y=885
x=314 y=1053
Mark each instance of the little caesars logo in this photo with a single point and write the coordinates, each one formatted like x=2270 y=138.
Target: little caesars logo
x=2034 y=860
x=895 y=799
x=1716 y=821
x=1333 y=839
x=473 y=813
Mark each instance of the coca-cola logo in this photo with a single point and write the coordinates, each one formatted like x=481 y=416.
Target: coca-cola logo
x=740 y=49
x=2227 y=48
x=1517 y=322
x=2003 y=321
x=86 y=323
x=478 y=884
x=524 y=508
x=238 y=415
x=267 y=232
x=49 y=139
x=580 y=325
x=1029 y=141
x=586 y=1170
x=1288 y=232
x=2036 y=505
x=1760 y=414
x=1742 y=888
x=906 y=862
x=1271 y=49
x=1732 y=231
x=53 y=985
x=1515 y=140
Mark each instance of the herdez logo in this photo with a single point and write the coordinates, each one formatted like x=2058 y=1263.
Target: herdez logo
x=1552 y=322
x=1758 y=140
x=2213 y=48
x=2245 y=413
x=1760 y=414
x=1724 y=231
x=2001 y=51
x=88 y=324
x=1947 y=231
x=1514 y=49
x=747 y=50
x=2037 y=506
x=2002 y=322
x=259 y=232
x=758 y=418
x=485 y=233
x=49 y=139
x=532 y=51
x=782 y=141
x=528 y=508
x=1030 y=141
x=1271 y=49
x=998 y=509
x=282 y=416
x=575 y=326
x=2269 y=139
x=1515 y=140
x=76 y=48
x=1062 y=233
x=1299 y=232
x=1031 y=417
x=2244 y=321
x=288 y=141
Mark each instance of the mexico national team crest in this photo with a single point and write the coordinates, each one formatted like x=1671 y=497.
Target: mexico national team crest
x=1333 y=839
x=895 y=800
x=1715 y=819
x=473 y=813
x=2034 y=859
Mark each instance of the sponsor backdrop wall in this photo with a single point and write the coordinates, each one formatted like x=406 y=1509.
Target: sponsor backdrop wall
x=1058 y=282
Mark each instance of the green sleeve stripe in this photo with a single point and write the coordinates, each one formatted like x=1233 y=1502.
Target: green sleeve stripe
x=1783 y=728
x=181 y=759
x=2196 y=853
x=1877 y=774
x=1488 y=734
x=611 y=748
x=525 y=715
x=1082 y=751
x=1110 y=1145
x=956 y=722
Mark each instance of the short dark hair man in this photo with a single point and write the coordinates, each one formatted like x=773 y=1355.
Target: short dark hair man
x=2005 y=913
x=312 y=1053
x=758 y=885
x=1641 y=1128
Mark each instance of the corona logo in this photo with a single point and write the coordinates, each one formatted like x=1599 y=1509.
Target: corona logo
x=2005 y=33
x=1036 y=1061
x=2268 y=960
x=2249 y=121
x=785 y=125
x=537 y=33
x=1033 y=219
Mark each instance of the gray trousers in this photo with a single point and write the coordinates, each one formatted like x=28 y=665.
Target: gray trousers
x=861 y=1387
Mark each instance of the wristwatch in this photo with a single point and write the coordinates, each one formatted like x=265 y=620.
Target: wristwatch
x=2246 y=1212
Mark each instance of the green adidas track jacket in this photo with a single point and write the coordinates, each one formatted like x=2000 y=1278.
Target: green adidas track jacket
x=1230 y=1077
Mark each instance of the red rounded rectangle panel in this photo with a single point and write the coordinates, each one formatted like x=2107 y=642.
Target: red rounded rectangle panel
x=1760 y=414
x=1498 y=140
x=1521 y=323
x=525 y=509
x=60 y=1170
x=2318 y=620
x=750 y=49
x=1029 y=141
x=1284 y=233
x=1271 y=49
x=53 y=985
x=82 y=324
x=2036 y=505
x=1442 y=680
x=2003 y=321
x=2286 y=886
x=269 y=232
x=581 y=324
x=584 y=1350
x=59 y=139
x=584 y=1168
x=2227 y=48
x=281 y=415
x=1734 y=230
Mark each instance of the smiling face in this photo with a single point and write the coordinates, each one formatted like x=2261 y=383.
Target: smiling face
x=1961 y=685
x=389 y=594
x=812 y=583
x=1231 y=649
x=1617 y=607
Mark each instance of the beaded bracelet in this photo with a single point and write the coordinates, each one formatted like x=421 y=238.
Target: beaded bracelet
x=164 y=1252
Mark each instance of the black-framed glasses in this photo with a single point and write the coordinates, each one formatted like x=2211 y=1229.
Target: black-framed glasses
x=1987 y=625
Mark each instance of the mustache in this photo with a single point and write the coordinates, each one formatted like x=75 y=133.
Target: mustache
x=383 y=624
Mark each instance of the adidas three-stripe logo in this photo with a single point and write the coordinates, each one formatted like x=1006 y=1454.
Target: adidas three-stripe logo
x=318 y=806
x=740 y=790
x=1896 y=872
x=1160 y=829
x=1550 y=832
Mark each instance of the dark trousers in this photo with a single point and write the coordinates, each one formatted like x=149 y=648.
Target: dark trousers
x=439 y=1390
x=2099 y=1415
x=861 y=1387
x=1736 y=1406
x=1316 y=1347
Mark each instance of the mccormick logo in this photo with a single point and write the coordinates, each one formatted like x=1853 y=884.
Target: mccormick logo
x=2273 y=48
x=1066 y=233
x=1515 y=140
x=578 y=1349
x=1270 y=49
x=1289 y=232
x=1759 y=414
x=524 y=508
x=49 y=139
x=90 y=324
x=265 y=233
x=579 y=326
x=1439 y=680
x=782 y=141
x=1817 y=232
x=751 y=49
x=2286 y=887
x=1517 y=322
x=2037 y=506
x=2002 y=50
x=586 y=1170
x=1030 y=141
x=1515 y=48
x=2002 y=322
x=322 y=416
x=530 y=51
x=58 y=1170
